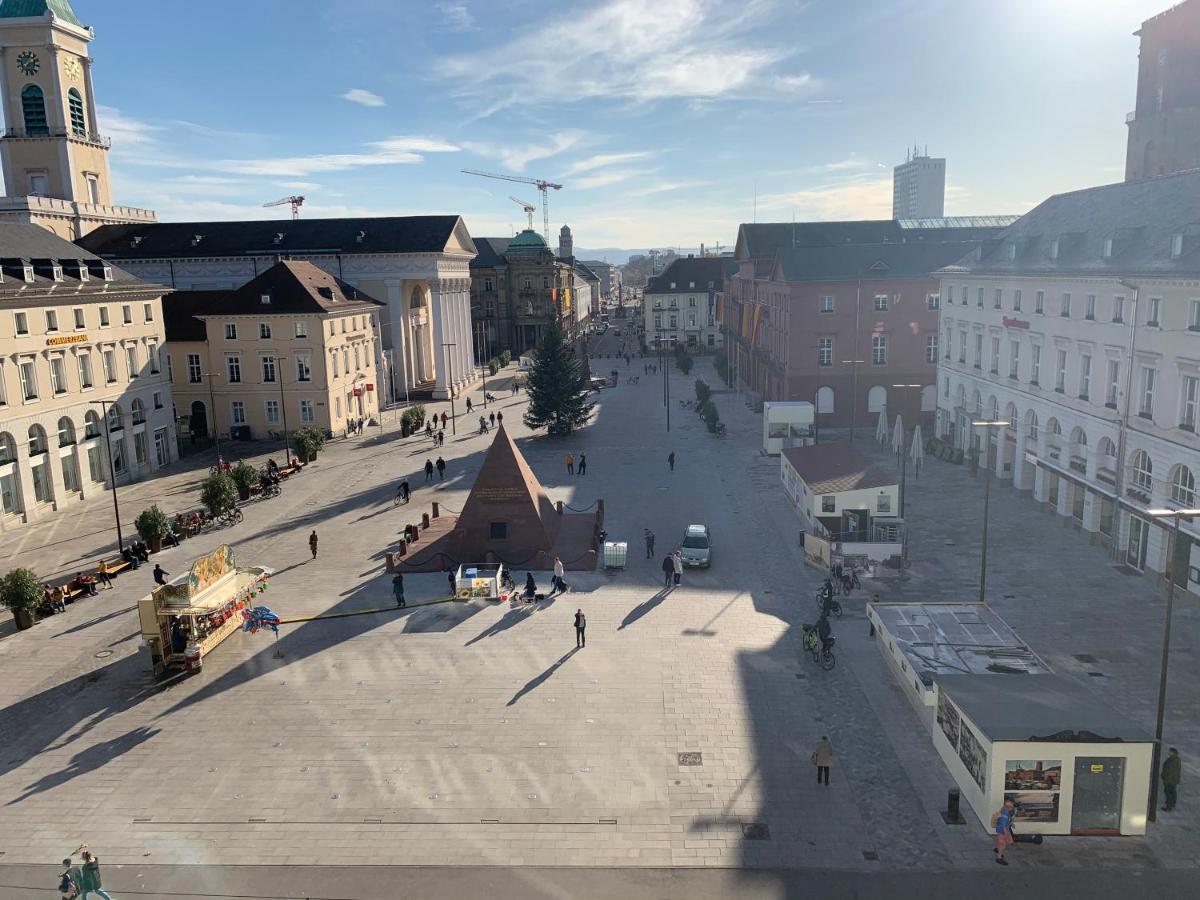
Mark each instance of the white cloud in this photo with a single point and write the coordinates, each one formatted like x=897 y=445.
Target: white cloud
x=606 y=177
x=126 y=132
x=664 y=187
x=516 y=158
x=388 y=152
x=601 y=160
x=456 y=17
x=298 y=185
x=854 y=198
x=695 y=49
x=363 y=97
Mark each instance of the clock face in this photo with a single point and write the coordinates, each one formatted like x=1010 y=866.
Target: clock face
x=28 y=63
x=72 y=68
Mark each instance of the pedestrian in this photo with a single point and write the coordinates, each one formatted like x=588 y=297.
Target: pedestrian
x=1172 y=769
x=160 y=574
x=102 y=572
x=582 y=463
x=668 y=567
x=442 y=438
x=398 y=589
x=822 y=758
x=453 y=586
x=445 y=419
x=559 y=584
x=428 y=470
x=500 y=418
x=671 y=460
x=312 y=543
x=649 y=543
x=570 y=463
x=441 y=467
x=405 y=490
x=89 y=881
x=530 y=588
x=1002 y=826
x=468 y=404
x=492 y=417
x=429 y=429
x=68 y=882
x=677 y=564
x=580 y=628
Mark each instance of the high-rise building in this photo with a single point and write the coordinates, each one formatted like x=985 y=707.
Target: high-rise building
x=55 y=161
x=1164 y=128
x=919 y=187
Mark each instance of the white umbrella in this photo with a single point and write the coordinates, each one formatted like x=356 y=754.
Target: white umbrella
x=881 y=427
x=898 y=436
x=918 y=451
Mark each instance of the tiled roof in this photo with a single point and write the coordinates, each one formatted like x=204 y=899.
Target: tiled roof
x=489 y=252
x=836 y=467
x=850 y=262
x=21 y=9
x=756 y=241
x=36 y=246
x=695 y=270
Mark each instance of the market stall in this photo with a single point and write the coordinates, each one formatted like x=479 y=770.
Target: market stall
x=188 y=617
x=487 y=582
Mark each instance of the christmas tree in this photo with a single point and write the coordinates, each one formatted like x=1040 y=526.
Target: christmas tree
x=556 y=387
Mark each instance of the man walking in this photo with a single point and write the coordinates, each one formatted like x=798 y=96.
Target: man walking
x=445 y=419
x=1172 y=769
x=441 y=467
x=428 y=470
x=492 y=417
x=312 y=543
x=649 y=543
x=89 y=876
x=580 y=628
x=500 y=418
x=398 y=589
x=671 y=460
x=570 y=463
x=677 y=566
x=160 y=574
x=102 y=573
x=822 y=758
x=469 y=408
x=582 y=463
x=668 y=567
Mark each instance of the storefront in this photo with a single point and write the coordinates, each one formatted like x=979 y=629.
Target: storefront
x=188 y=617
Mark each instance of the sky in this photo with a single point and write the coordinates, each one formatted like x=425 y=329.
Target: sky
x=668 y=122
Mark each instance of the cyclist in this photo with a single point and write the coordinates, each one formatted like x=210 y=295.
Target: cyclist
x=827 y=597
x=825 y=633
x=403 y=491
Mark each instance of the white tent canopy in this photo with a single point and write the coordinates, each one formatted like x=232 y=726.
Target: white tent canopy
x=898 y=436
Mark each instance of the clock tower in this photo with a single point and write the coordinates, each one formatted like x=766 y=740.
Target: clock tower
x=55 y=161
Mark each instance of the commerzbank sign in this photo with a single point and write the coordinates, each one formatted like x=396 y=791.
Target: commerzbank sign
x=66 y=339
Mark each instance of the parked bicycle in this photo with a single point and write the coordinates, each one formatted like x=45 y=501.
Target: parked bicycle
x=823 y=657
x=269 y=489
x=230 y=516
x=835 y=607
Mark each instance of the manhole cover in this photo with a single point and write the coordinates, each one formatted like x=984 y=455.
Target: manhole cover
x=870 y=854
x=691 y=759
x=103 y=654
x=801 y=675
x=756 y=831
x=1085 y=657
x=1095 y=674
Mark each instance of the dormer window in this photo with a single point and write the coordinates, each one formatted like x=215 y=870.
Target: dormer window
x=278 y=237
x=27 y=272
x=1054 y=249
x=672 y=285
x=264 y=299
x=1012 y=251
x=1177 y=245
x=196 y=239
x=1108 y=247
x=692 y=285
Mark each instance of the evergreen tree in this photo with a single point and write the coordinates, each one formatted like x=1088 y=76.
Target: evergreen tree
x=556 y=388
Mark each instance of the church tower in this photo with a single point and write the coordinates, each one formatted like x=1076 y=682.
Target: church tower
x=55 y=161
x=566 y=244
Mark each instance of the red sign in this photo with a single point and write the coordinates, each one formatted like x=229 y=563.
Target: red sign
x=1014 y=323
x=370 y=387
x=358 y=392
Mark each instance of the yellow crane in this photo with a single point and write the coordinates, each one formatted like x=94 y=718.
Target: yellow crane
x=541 y=184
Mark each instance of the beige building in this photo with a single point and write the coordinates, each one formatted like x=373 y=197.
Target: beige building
x=80 y=359
x=293 y=348
x=54 y=159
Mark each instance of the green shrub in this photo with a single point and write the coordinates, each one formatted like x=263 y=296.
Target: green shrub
x=702 y=392
x=708 y=412
x=307 y=442
x=493 y=365
x=218 y=493
x=684 y=361
x=152 y=524
x=20 y=591
x=505 y=358
x=414 y=416
x=244 y=475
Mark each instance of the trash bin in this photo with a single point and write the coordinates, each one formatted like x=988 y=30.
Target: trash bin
x=615 y=554
x=191 y=658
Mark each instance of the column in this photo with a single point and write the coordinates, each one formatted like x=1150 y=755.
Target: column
x=468 y=332
x=1018 y=477
x=93 y=122
x=56 y=118
x=441 y=387
x=397 y=328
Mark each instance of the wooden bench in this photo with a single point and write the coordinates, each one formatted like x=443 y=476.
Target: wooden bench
x=115 y=565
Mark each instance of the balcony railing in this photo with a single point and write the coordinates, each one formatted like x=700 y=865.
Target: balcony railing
x=42 y=133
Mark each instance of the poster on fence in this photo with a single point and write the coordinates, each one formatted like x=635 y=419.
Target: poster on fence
x=816 y=551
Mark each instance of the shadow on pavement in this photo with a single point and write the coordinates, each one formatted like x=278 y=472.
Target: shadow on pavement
x=538 y=680
x=644 y=607
x=88 y=760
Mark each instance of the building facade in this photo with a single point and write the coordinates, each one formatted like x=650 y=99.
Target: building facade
x=1081 y=329
x=419 y=266
x=55 y=160
x=610 y=281
x=84 y=392
x=1164 y=128
x=294 y=348
x=919 y=187
x=682 y=305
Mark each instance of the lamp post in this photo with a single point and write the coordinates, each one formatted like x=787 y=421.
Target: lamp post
x=987 y=491
x=1172 y=542
x=112 y=469
x=853 y=390
x=212 y=407
x=450 y=385
x=287 y=450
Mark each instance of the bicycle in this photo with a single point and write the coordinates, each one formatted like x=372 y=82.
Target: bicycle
x=230 y=517
x=834 y=606
x=269 y=489
x=822 y=656
x=400 y=497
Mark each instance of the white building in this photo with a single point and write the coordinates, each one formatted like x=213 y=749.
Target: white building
x=682 y=305
x=919 y=187
x=836 y=490
x=1081 y=327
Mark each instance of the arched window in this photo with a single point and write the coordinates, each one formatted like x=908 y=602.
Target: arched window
x=66 y=432
x=1183 y=486
x=1031 y=423
x=824 y=399
x=1078 y=436
x=977 y=404
x=78 y=121
x=1106 y=448
x=33 y=106
x=8 y=449
x=1010 y=416
x=876 y=398
x=91 y=424
x=138 y=409
x=1143 y=471
x=37 y=440
x=114 y=418
x=994 y=409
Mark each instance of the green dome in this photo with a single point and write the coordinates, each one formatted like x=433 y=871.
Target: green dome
x=21 y=9
x=527 y=241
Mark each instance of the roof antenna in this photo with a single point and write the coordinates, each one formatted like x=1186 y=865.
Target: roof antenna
x=755 y=219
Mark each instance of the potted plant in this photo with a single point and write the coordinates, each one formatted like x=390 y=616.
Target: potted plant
x=245 y=477
x=22 y=594
x=307 y=442
x=152 y=526
x=218 y=493
x=505 y=358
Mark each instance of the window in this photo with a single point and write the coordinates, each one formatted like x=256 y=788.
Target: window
x=1039 y=303
x=827 y=304
x=497 y=531
x=1060 y=372
x=114 y=417
x=237 y=413
x=193 y=368
x=1189 y=390
x=127 y=315
x=51 y=320
x=93 y=187
x=1194 y=315
x=103 y=316
x=1065 y=310
x=1017 y=300
x=39 y=185
x=1035 y=368
x=233 y=368
x=331 y=329
x=962 y=347
x=1183 y=487
x=109 y=357
x=931 y=348
x=1014 y=358
x=306 y=412
x=1152 y=311
x=33 y=108
x=950 y=294
x=546 y=282
x=343 y=326
x=301 y=328
x=881 y=303
x=37 y=441
x=692 y=302
x=825 y=351
x=148 y=312
x=79 y=322
x=1146 y=405
x=998 y=299
x=131 y=361
x=158 y=404
x=879 y=349
x=995 y=356
x=231 y=331
x=333 y=356
x=674 y=320
x=152 y=356
x=1142 y=471
x=272 y=408
x=658 y=321
x=1118 y=308
x=303 y=367
x=1089 y=309
x=21 y=321
x=28 y=379
x=264 y=331
x=58 y=375
x=138 y=411
x=1085 y=375
x=933 y=301
x=357 y=359
x=979 y=297
x=979 y=351
x=946 y=349
x=91 y=425
x=829 y=504
x=268 y=369
x=84 y=361
x=337 y=407
x=78 y=121
x=1113 y=377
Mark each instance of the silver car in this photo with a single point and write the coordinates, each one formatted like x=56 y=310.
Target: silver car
x=696 y=548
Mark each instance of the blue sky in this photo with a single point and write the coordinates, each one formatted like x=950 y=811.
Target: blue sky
x=662 y=119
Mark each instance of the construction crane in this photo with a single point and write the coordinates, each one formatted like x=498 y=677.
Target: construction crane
x=294 y=201
x=528 y=207
x=541 y=184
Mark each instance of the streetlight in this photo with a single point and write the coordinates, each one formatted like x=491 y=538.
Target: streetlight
x=662 y=362
x=212 y=406
x=450 y=385
x=1172 y=542
x=287 y=450
x=854 y=391
x=903 y=455
x=987 y=490
x=112 y=469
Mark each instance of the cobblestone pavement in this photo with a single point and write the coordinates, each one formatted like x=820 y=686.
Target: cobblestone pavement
x=475 y=734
